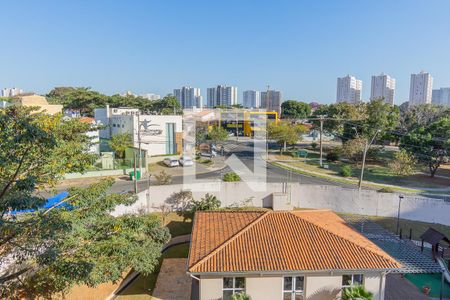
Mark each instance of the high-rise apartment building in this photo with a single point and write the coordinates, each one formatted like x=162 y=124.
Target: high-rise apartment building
x=221 y=95
x=251 y=99
x=441 y=97
x=271 y=100
x=383 y=86
x=11 y=92
x=420 y=88
x=151 y=96
x=189 y=97
x=348 y=90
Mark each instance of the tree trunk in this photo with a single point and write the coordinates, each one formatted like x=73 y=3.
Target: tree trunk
x=284 y=146
x=433 y=169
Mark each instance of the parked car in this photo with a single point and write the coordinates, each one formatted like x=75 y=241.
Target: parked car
x=186 y=161
x=209 y=154
x=171 y=162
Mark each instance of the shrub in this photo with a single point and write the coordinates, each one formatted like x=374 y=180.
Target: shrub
x=353 y=149
x=333 y=155
x=240 y=296
x=209 y=202
x=386 y=190
x=314 y=145
x=403 y=163
x=231 y=176
x=356 y=292
x=346 y=171
x=163 y=178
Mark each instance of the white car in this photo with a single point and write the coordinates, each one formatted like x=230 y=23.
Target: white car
x=186 y=161
x=171 y=162
x=209 y=154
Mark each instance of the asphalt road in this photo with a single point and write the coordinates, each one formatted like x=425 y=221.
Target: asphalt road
x=244 y=151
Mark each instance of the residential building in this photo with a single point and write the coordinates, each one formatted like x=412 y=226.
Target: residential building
x=283 y=255
x=93 y=135
x=251 y=99
x=441 y=97
x=420 y=89
x=188 y=97
x=221 y=95
x=383 y=86
x=271 y=101
x=348 y=90
x=157 y=134
x=151 y=96
x=11 y=92
x=33 y=100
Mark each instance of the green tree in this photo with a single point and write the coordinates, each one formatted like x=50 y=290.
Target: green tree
x=420 y=115
x=285 y=133
x=217 y=134
x=430 y=144
x=403 y=163
x=77 y=240
x=292 y=109
x=168 y=105
x=81 y=99
x=209 y=202
x=119 y=143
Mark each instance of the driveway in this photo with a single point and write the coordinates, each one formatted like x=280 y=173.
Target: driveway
x=173 y=282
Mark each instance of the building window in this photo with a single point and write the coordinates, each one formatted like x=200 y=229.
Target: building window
x=353 y=279
x=233 y=285
x=293 y=288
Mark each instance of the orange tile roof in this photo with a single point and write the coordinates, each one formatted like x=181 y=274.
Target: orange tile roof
x=280 y=241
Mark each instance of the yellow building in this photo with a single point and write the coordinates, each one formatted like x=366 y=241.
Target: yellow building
x=245 y=122
x=33 y=100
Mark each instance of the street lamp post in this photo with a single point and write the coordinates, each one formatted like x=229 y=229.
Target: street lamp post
x=400 y=198
x=366 y=148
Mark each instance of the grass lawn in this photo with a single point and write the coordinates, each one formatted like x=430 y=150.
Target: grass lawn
x=417 y=227
x=141 y=287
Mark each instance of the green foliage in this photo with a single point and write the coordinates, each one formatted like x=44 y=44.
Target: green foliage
x=346 y=171
x=209 y=202
x=59 y=247
x=314 y=145
x=388 y=190
x=240 y=296
x=217 y=134
x=333 y=155
x=421 y=115
x=403 y=163
x=231 y=176
x=430 y=144
x=292 y=109
x=284 y=133
x=119 y=143
x=356 y=292
x=181 y=200
x=353 y=149
x=86 y=100
x=163 y=178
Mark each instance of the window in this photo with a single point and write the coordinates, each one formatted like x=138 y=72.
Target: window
x=353 y=279
x=293 y=288
x=233 y=285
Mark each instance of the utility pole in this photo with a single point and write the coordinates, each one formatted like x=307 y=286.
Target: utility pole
x=135 y=174
x=321 y=118
x=366 y=148
x=400 y=198
x=139 y=142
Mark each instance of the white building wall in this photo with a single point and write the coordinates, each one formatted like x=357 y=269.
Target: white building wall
x=251 y=99
x=348 y=90
x=441 y=97
x=421 y=87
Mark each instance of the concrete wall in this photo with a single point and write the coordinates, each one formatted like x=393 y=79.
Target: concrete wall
x=338 y=199
x=318 y=286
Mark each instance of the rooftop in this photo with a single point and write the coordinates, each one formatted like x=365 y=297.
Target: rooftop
x=255 y=241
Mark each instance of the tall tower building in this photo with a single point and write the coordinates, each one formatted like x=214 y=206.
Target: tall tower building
x=420 y=90
x=348 y=90
x=271 y=100
x=11 y=92
x=189 y=97
x=441 y=97
x=221 y=95
x=383 y=86
x=251 y=99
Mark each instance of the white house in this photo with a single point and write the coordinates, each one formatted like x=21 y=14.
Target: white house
x=272 y=255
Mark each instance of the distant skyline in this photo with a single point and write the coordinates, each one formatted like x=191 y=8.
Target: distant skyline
x=297 y=47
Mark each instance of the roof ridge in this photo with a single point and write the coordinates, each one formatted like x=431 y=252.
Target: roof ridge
x=349 y=240
x=233 y=237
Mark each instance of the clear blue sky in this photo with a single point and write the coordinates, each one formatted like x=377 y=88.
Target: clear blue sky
x=298 y=47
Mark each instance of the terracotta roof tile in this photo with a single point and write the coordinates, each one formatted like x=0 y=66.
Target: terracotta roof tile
x=280 y=241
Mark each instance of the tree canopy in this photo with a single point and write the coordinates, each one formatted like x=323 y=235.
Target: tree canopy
x=77 y=240
x=285 y=133
x=292 y=109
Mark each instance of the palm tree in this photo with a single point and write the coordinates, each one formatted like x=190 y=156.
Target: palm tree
x=356 y=292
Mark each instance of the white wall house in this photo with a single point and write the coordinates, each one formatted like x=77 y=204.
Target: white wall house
x=420 y=90
x=383 y=86
x=348 y=90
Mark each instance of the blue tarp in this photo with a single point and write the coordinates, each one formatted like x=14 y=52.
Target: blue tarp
x=50 y=203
